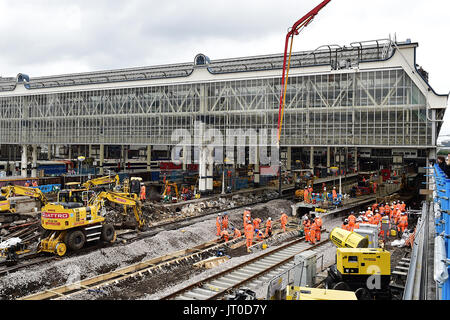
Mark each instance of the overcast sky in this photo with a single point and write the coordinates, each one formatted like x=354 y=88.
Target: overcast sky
x=47 y=37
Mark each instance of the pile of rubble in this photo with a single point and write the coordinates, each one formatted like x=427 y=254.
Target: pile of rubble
x=24 y=232
x=224 y=203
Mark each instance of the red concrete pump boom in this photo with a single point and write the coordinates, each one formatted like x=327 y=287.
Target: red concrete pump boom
x=296 y=28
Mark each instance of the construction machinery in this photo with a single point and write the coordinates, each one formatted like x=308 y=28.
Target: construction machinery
x=70 y=225
x=100 y=182
x=77 y=192
x=307 y=293
x=347 y=239
x=6 y=205
x=366 y=271
x=168 y=192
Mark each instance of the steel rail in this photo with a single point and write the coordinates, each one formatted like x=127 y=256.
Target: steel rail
x=201 y=283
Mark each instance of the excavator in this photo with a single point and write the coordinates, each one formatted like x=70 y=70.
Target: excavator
x=167 y=194
x=76 y=192
x=6 y=205
x=70 y=225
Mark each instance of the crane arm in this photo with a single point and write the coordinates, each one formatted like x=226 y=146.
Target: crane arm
x=295 y=30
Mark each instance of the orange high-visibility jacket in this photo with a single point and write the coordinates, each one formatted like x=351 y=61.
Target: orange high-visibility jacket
x=249 y=230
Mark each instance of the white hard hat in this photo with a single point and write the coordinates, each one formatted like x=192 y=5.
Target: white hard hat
x=269 y=218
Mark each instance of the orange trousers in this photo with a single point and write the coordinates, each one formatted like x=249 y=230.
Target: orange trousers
x=318 y=233
x=218 y=230
x=307 y=234
x=312 y=236
x=249 y=242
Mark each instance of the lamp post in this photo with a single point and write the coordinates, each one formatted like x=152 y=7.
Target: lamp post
x=80 y=167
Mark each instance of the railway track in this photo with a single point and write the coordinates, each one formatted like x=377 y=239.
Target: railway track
x=139 y=269
x=129 y=237
x=251 y=273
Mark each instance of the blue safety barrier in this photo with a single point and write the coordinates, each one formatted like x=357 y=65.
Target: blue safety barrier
x=442 y=221
x=46 y=188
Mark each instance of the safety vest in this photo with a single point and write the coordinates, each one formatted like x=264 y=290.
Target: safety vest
x=318 y=222
x=351 y=218
x=225 y=235
x=249 y=230
x=256 y=223
x=334 y=194
x=225 y=222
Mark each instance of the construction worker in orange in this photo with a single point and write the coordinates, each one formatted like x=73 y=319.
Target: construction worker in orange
x=385 y=227
x=259 y=235
x=247 y=216
x=306 y=195
x=256 y=223
x=334 y=193
x=374 y=207
x=403 y=222
x=268 y=227
x=142 y=194
x=318 y=222
x=382 y=209
x=376 y=217
x=225 y=235
x=387 y=209
x=34 y=184
x=351 y=221
x=345 y=225
x=403 y=206
x=375 y=185
x=397 y=215
x=306 y=227
x=218 y=224
x=369 y=211
x=284 y=220
x=27 y=183
x=312 y=234
x=358 y=221
x=225 y=221
x=236 y=233
x=249 y=232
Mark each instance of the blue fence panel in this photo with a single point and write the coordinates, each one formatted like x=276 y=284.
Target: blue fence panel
x=443 y=220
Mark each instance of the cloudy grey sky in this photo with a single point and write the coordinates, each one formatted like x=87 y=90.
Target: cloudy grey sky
x=46 y=37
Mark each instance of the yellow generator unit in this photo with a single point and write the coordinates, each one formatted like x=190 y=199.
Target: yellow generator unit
x=306 y=293
x=367 y=271
x=348 y=239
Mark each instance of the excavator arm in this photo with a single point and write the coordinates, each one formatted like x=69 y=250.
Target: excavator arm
x=10 y=191
x=102 y=181
x=125 y=200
